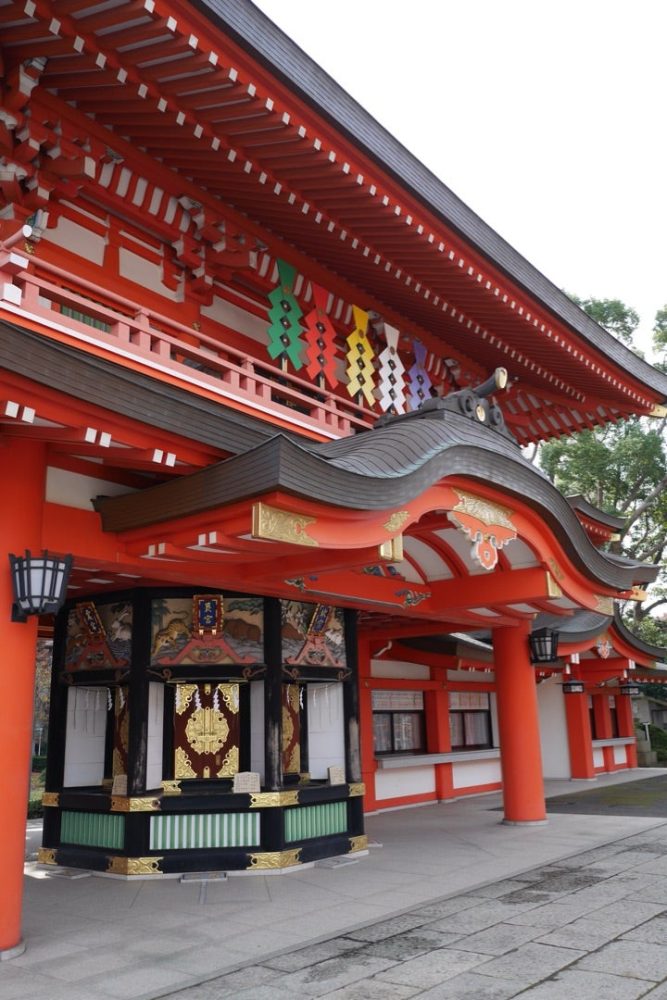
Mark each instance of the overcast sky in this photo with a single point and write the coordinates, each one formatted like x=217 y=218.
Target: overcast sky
x=548 y=119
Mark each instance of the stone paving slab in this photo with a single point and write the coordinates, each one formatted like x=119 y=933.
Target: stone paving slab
x=586 y=986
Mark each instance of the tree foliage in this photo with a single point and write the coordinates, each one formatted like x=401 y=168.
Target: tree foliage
x=622 y=469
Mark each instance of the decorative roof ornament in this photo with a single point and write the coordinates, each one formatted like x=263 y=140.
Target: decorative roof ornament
x=476 y=404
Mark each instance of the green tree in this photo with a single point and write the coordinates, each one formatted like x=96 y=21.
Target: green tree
x=622 y=469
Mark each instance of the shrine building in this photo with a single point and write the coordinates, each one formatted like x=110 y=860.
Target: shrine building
x=265 y=387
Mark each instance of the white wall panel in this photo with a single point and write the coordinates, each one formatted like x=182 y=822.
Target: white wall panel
x=411 y=781
x=85 y=735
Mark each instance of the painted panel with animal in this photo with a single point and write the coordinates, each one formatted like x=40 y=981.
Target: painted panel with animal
x=207 y=629
x=99 y=636
x=313 y=634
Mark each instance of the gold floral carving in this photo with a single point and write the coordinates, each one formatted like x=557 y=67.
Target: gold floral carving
x=46 y=856
x=134 y=866
x=604 y=605
x=230 y=696
x=281 y=525
x=358 y=844
x=396 y=520
x=356 y=789
x=276 y=859
x=484 y=510
x=171 y=787
x=184 y=695
x=120 y=803
x=182 y=765
x=230 y=764
x=51 y=799
x=207 y=730
x=556 y=569
x=266 y=800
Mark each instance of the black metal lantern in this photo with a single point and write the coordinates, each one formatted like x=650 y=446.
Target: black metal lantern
x=39 y=584
x=573 y=687
x=543 y=645
x=632 y=690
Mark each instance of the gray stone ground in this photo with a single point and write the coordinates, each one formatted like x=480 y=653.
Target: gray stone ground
x=593 y=926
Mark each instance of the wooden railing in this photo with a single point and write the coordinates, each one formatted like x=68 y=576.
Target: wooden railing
x=131 y=331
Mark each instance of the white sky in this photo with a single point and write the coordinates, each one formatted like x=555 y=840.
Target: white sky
x=547 y=118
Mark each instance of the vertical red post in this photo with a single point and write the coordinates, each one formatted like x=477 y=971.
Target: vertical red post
x=23 y=464
x=579 y=736
x=519 y=726
x=438 y=735
x=366 y=726
x=602 y=716
x=626 y=727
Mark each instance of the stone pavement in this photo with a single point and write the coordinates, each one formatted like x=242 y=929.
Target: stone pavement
x=453 y=904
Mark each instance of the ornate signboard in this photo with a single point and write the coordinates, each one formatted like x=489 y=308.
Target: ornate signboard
x=207 y=629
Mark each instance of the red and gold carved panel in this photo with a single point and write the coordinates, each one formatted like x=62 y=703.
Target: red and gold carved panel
x=207 y=629
x=121 y=727
x=291 y=748
x=206 y=731
x=313 y=634
x=99 y=636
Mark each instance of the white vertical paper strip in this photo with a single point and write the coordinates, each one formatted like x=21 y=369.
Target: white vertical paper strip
x=391 y=373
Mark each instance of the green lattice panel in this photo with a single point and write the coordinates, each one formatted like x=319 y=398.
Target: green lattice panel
x=93 y=829
x=173 y=833
x=307 y=822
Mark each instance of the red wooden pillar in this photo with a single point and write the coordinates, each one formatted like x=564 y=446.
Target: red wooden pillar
x=23 y=464
x=579 y=737
x=519 y=727
x=626 y=726
x=366 y=726
x=438 y=737
x=603 y=727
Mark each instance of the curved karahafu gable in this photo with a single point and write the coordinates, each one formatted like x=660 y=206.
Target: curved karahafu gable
x=374 y=471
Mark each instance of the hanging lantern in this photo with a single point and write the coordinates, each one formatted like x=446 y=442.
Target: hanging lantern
x=574 y=687
x=543 y=645
x=39 y=584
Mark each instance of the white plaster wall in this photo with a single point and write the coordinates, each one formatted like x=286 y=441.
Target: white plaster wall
x=326 y=728
x=471 y=676
x=145 y=273
x=396 y=668
x=598 y=757
x=553 y=729
x=241 y=320
x=468 y=774
x=85 y=733
x=74 y=490
x=620 y=755
x=394 y=784
x=70 y=236
x=257 y=728
x=155 y=734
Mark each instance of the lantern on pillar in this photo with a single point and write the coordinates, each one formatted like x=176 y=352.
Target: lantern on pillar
x=631 y=690
x=573 y=687
x=39 y=584
x=543 y=645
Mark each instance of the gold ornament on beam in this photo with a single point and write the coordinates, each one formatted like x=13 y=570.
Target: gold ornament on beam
x=273 y=524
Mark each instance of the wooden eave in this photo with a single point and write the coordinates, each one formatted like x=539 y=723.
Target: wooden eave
x=230 y=107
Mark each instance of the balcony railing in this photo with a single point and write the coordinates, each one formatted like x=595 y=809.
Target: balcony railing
x=130 y=331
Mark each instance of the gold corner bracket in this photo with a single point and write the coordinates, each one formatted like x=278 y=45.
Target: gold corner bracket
x=275 y=859
x=171 y=788
x=356 y=789
x=134 y=866
x=51 y=799
x=120 y=803
x=658 y=410
x=358 y=844
x=273 y=800
x=46 y=856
